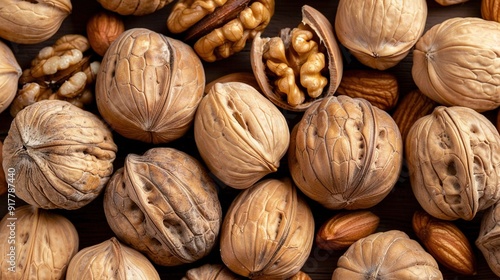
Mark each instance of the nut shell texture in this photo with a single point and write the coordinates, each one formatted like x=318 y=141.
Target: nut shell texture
x=63 y=155
x=10 y=71
x=165 y=205
x=240 y=134
x=345 y=153
x=268 y=231
x=149 y=86
x=453 y=161
x=489 y=236
x=456 y=63
x=133 y=7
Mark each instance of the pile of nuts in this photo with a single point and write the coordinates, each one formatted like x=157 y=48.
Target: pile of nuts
x=302 y=131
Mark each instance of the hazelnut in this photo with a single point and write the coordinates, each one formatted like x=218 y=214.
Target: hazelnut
x=102 y=29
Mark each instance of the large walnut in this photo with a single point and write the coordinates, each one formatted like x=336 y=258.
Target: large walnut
x=62 y=155
x=165 y=205
x=345 y=153
x=453 y=157
x=240 y=134
x=488 y=239
x=268 y=231
x=149 y=86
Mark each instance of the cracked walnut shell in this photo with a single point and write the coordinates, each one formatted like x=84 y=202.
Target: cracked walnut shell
x=149 y=86
x=164 y=204
x=63 y=155
x=453 y=158
x=345 y=153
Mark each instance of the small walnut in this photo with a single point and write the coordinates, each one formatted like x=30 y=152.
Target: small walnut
x=453 y=158
x=149 y=86
x=63 y=155
x=345 y=153
x=380 y=33
x=39 y=244
x=110 y=259
x=490 y=10
x=300 y=66
x=165 y=205
x=450 y=2
x=386 y=255
x=32 y=22
x=9 y=76
x=220 y=28
x=63 y=71
x=240 y=135
x=488 y=237
x=268 y=231
x=455 y=63
x=102 y=29
x=210 y=272
x=134 y=7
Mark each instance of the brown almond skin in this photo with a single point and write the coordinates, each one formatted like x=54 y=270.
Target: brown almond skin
x=445 y=242
x=345 y=228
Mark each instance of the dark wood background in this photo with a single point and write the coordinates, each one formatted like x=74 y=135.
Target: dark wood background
x=395 y=210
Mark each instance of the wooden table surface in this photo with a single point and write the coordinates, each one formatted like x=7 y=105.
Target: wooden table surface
x=395 y=210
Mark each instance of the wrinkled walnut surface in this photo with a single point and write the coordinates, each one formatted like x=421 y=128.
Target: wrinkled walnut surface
x=134 y=7
x=10 y=71
x=488 y=239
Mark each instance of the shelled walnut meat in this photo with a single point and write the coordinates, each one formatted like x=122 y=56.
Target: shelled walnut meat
x=149 y=86
x=220 y=28
x=62 y=155
x=453 y=157
x=134 y=7
x=36 y=244
x=164 y=204
x=489 y=236
x=64 y=71
x=345 y=153
x=240 y=135
x=268 y=231
x=300 y=66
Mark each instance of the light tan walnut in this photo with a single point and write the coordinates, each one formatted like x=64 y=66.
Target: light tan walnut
x=210 y=272
x=488 y=240
x=10 y=71
x=134 y=7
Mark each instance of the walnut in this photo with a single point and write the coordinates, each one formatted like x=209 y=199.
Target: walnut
x=102 y=29
x=210 y=272
x=490 y=10
x=455 y=63
x=63 y=155
x=165 y=205
x=63 y=71
x=450 y=2
x=110 y=259
x=219 y=28
x=134 y=7
x=149 y=86
x=240 y=134
x=32 y=22
x=489 y=234
x=386 y=255
x=268 y=231
x=453 y=157
x=36 y=244
x=345 y=153
x=9 y=76
x=380 y=33
x=300 y=66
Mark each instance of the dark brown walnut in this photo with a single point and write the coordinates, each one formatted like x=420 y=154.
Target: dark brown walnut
x=240 y=135
x=210 y=272
x=381 y=88
x=149 y=86
x=489 y=237
x=300 y=66
x=62 y=155
x=134 y=7
x=219 y=29
x=490 y=10
x=36 y=244
x=102 y=29
x=32 y=22
x=268 y=231
x=64 y=71
x=300 y=276
x=386 y=255
x=110 y=259
x=164 y=204
x=453 y=158
x=345 y=153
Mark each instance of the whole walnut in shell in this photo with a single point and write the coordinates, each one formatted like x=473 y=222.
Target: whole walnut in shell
x=386 y=255
x=149 y=86
x=489 y=237
x=490 y=10
x=345 y=153
x=134 y=7
x=63 y=155
x=453 y=157
x=111 y=259
x=268 y=231
x=210 y=272
x=240 y=134
x=32 y=22
x=380 y=33
x=36 y=244
x=455 y=63
x=164 y=204
x=10 y=71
